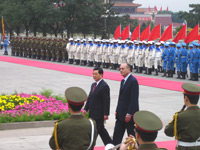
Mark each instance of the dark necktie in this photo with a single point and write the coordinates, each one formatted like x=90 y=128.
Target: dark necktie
x=95 y=85
x=122 y=83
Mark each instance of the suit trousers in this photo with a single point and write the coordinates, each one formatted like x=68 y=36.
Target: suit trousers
x=120 y=127
x=103 y=132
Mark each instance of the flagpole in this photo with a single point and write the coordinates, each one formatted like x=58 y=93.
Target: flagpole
x=172 y=32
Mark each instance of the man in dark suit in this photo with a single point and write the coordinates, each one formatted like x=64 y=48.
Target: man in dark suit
x=98 y=104
x=127 y=104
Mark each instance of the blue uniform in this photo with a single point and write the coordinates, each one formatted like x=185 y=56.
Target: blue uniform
x=165 y=57
x=5 y=44
x=195 y=60
x=189 y=60
x=183 y=57
x=170 y=65
x=177 y=59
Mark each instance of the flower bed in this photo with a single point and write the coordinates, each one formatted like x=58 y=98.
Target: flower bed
x=31 y=107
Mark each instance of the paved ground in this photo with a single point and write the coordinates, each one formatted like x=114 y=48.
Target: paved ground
x=30 y=79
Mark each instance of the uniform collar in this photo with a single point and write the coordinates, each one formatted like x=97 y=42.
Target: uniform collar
x=193 y=108
x=147 y=146
x=76 y=116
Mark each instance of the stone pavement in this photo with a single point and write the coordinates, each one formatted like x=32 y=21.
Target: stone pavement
x=30 y=79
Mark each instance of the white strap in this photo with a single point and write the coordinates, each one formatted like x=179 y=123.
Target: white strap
x=92 y=134
x=189 y=144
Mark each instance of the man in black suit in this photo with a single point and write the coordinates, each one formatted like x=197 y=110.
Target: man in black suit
x=127 y=104
x=98 y=104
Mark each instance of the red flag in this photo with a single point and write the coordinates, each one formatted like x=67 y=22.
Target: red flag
x=199 y=38
x=125 y=33
x=193 y=35
x=136 y=33
x=167 y=9
x=155 y=33
x=181 y=34
x=155 y=8
x=117 y=32
x=167 y=34
x=149 y=9
x=145 y=34
x=161 y=8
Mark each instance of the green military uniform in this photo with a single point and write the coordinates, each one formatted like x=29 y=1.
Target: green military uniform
x=147 y=122
x=185 y=125
x=149 y=147
x=77 y=132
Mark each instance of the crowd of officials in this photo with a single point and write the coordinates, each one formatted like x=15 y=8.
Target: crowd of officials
x=167 y=58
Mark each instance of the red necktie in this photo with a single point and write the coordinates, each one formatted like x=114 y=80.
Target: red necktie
x=95 y=85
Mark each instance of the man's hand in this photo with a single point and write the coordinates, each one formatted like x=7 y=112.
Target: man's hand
x=127 y=118
x=115 y=115
x=105 y=117
x=124 y=146
x=84 y=113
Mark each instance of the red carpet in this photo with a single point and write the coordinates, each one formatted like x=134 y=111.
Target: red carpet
x=170 y=145
x=146 y=81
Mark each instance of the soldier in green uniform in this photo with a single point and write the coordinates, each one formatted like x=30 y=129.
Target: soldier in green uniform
x=147 y=125
x=48 y=49
x=25 y=47
x=185 y=125
x=29 y=47
x=77 y=132
x=64 y=52
x=59 y=50
x=13 y=46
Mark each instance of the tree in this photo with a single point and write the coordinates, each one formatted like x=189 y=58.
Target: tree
x=192 y=17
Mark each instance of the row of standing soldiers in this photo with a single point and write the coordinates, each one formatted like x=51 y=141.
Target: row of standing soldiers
x=39 y=48
x=142 y=55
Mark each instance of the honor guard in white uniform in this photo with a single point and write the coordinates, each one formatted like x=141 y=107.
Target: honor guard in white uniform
x=98 y=53
x=106 y=54
x=90 y=49
x=69 y=48
x=77 y=54
x=157 y=53
x=146 y=56
x=110 y=51
x=136 y=56
x=114 y=59
x=122 y=53
x=130 y=54
x=140 y=57
x=150 y=59
x=83 y=52
x=162 y=47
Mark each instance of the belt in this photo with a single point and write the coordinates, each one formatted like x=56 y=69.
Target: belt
x=195 y=58
x=170 y=56
x=188 y=144
x=183 y=56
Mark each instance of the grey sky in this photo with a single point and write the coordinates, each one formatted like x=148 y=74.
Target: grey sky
x=173 y=5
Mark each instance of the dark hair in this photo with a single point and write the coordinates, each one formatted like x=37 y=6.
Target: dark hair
x=192 y=98
x=75 y=108
x=147 y=137
x=100 y=70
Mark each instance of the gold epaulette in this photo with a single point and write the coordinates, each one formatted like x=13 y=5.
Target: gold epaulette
x=175 y=126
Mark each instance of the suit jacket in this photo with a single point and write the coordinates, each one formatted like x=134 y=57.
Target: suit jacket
x=128 y=98
x=98 y=102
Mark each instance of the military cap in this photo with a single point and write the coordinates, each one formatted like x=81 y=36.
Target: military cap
x=140 y=42
x=172 y=43
x=75 y=96
x=190 y=45
x=123 y=42
x=178 y=45
x=183 y=44
x=158 y=43
x=191 y=89
x=70 y=39
x=147 y=121
x=166 y=44
x=162 y=42
x=90 y=40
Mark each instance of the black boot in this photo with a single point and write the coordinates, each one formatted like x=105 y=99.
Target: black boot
x=178 y=75
x=145 y=70
x=164 y=75
x=183 y=75
x=195 y=77
x=156 y=72
x=140 y=69
x=150 y=71
x=136 y=69
x=168 y=74
x=6 y=53
x=171 y=73
x=191 y=76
